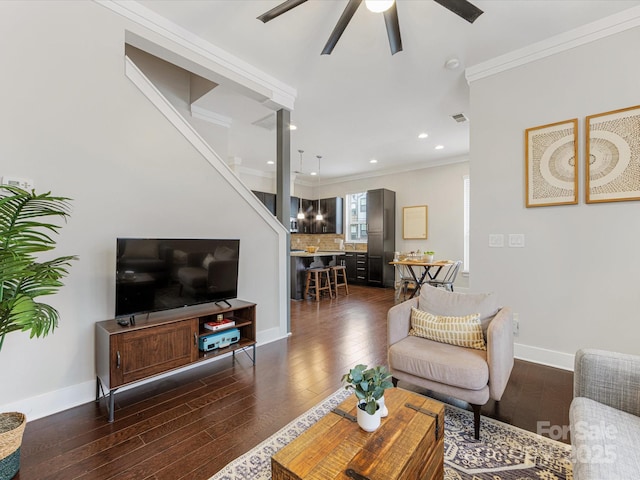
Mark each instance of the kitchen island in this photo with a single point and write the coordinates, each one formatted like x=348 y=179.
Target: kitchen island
x=301 y=260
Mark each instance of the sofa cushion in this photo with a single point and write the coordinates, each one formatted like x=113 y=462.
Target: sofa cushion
x=440 y=362
x=603 y=441
x=463 y=331
x=442 y=302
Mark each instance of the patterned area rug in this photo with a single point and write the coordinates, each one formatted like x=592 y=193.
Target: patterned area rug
x=502 y=453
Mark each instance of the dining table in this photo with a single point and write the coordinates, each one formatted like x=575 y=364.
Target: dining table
x=419 y=271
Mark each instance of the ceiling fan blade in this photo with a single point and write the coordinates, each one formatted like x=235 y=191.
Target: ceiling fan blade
x=462 y=8
x=279 y=10
x=393 y=29
x=343 y=21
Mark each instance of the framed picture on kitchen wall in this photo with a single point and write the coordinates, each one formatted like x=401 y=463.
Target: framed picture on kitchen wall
x=613 y=156
x=551 y=164
x=414 y=222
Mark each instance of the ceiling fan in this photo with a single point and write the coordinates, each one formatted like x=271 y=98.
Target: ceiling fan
x=461 y=8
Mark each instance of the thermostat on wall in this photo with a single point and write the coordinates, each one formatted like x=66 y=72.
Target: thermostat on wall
x=23 y=183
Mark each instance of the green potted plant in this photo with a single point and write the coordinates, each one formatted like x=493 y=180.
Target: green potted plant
x=23 y=278
x=428 y=256
x=369 y=386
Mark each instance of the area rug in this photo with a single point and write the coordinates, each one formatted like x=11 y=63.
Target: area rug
x=503 y=452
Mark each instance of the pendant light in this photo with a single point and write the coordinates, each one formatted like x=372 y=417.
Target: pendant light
x=378 y=6
x=319 y=216
x=300 y=212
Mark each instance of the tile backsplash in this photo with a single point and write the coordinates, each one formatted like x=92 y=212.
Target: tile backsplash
x=325 y=241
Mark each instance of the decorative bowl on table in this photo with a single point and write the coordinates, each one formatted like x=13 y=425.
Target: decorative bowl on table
x=312 y=249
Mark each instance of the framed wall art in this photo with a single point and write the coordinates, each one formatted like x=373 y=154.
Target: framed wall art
x=613 y=156
x=551 y=164
x=414 y=222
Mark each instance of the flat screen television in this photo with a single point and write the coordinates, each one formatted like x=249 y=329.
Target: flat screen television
x=155 y=274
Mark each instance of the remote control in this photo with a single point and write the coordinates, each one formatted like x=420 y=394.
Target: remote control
x=123 y=322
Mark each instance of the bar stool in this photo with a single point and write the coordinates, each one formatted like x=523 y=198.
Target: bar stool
x=319 y=280
x=339 y=278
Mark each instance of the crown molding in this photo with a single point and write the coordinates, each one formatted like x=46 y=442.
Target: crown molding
x=279 y=94
x=209 y=116
x=597 y=30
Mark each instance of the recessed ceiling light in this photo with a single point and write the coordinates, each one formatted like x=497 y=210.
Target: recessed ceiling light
x=373 y=160
x=439 y=147
x=292 y=127
x=423 y=135
x=270 y=162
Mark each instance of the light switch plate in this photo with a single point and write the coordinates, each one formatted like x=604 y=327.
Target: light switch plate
x=516 y=240
x=496 y=240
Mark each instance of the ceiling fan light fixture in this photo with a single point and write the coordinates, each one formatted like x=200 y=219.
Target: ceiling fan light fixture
x=378 y=6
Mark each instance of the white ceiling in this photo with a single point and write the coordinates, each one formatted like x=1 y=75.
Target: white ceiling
x=361 y=102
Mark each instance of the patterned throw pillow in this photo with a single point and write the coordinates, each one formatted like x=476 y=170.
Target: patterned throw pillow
x=461 y=331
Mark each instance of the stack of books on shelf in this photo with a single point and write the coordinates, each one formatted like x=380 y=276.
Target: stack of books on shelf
x=218 y=324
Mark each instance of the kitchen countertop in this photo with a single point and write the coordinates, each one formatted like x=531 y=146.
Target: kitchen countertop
x=321 y=253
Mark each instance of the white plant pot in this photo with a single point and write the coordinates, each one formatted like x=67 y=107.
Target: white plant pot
x=368 y=422
x=428 y=258
x=382 y=407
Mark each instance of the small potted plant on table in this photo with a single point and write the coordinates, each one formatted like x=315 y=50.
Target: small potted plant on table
x=428 y=256
x=369 y=386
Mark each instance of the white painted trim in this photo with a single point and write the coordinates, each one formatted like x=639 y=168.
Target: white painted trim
x=209 y=116
x=174 y=117
x=280 y=94
x=59 y=400
x=599 y=29
x=544 y=356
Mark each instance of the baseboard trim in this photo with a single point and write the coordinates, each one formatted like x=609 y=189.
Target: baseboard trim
x=53 y=402
x=75 y=395
x=544 y=356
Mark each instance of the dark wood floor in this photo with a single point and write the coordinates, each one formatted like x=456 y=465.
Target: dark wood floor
x=191 y=424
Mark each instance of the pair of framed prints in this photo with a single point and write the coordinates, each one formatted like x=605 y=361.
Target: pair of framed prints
x=612 y=160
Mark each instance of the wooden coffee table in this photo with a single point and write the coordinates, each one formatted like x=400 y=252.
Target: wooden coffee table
x=409 y=444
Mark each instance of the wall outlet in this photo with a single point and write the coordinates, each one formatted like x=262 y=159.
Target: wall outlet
x=516 y=325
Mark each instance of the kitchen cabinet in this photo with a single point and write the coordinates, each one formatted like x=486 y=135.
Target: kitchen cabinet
x=381 y=236
x=332 y=213
x=268 y=199
x=357 y=268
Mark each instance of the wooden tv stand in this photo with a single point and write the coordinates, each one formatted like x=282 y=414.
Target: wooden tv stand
x=163 y=341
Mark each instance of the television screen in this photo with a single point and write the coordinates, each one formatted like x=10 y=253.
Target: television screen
x=160 y=274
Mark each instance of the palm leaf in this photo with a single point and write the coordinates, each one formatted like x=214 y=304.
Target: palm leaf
x=22 y=277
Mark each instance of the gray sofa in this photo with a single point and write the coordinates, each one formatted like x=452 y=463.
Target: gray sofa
x=605 y=416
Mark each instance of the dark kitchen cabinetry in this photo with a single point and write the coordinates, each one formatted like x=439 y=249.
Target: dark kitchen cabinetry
x=332 y=213
x=356 y=263
x=268 y=199
x=381 y=236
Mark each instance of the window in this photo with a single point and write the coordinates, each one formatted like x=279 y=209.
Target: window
x=465 y=259
x=357 y=217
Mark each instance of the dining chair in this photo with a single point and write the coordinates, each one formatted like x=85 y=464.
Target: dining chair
x=448 y=278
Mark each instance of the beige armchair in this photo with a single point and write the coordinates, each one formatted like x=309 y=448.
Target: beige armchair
x=468 y=374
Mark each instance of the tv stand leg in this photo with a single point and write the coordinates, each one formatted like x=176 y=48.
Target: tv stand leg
x=110 y=408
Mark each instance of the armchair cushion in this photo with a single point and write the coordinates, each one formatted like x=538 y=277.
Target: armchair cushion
x=464 y=368
x=442 y=302
x=463 y=331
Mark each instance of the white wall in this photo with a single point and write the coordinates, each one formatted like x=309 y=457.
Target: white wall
x=76 y=125
x=440 y=188
x=575 y=283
